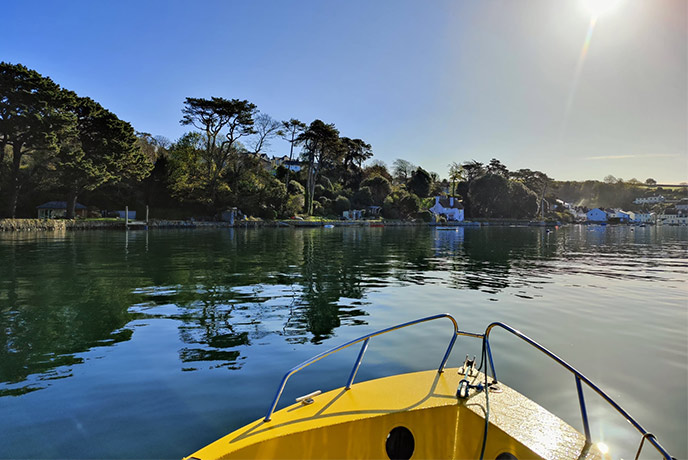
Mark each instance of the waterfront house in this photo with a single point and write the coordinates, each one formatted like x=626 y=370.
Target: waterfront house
x=645 y=218
x=672 y=216
x=56 y=209
x=354 y=214
x=624 y=216
x=448 y=206
x=596 y=215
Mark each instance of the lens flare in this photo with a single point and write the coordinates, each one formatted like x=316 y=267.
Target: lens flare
x=599 y=7
x=603 y=447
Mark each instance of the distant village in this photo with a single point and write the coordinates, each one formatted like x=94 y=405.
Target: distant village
x=674 y=212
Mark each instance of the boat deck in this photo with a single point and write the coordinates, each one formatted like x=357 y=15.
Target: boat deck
x=356 y=423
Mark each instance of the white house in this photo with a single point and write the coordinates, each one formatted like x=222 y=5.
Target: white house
x=649 y=200
x=596 y=215
x=682 y=206
x=645 y=218
x=448 y=206
x=673 y=218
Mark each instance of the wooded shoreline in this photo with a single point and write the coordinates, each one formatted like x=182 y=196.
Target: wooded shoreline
x=62 y=225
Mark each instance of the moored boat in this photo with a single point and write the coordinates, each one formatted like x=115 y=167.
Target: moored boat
x=455 y=413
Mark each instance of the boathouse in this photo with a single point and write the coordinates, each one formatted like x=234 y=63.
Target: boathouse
x=57 y=209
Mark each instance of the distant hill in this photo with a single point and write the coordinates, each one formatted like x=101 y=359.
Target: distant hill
x=593 y=194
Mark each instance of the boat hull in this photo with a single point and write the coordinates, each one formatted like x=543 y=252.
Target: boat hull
x=359 y=423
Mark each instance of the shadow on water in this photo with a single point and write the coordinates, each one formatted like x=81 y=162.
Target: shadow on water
x=231 y=289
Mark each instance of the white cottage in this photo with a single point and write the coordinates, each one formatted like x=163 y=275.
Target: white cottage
x=448 y=206
x=596 y=215
x=645 y=217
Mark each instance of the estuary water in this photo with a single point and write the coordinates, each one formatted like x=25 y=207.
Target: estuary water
x=153 y=344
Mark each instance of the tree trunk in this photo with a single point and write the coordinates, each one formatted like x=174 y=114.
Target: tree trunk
x=309 y=192
x=71 y=203
x=15 y=184
x=291 y=154
x=12 y=204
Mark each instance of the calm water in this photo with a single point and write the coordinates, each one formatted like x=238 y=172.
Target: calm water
x=152 y=344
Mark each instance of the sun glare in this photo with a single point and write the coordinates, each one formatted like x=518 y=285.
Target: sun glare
x=600 y=7
x=603 y=447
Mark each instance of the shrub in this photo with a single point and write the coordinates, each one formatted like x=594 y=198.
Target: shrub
x=341 y=204
x=295 y=188
x=425 y=216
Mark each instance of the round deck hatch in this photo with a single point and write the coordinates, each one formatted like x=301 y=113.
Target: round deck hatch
x=506 y=456
x=400 y=443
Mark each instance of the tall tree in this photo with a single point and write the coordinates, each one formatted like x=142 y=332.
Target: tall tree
x=472 y=170
x=496 y=167
x=104 y=150
x=290 y=132
x=321 y=145
x=456 y=174
x=420 y=183
x=33 y=118
x=356 y=151
x=217 y=118
x=188 y=178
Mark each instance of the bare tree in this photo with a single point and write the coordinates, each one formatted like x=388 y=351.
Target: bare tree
x=265 y=128
x=403 y=170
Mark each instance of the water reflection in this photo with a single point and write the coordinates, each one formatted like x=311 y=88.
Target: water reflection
x=52 y=310
x=232 y=289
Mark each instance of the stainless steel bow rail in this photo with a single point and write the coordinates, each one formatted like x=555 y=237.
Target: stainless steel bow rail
x=579 y=377
x=365 y=339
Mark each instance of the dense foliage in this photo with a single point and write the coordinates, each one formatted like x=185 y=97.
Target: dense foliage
x=58 y=146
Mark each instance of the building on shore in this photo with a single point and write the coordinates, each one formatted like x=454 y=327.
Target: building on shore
x=596 y=215
x=449 y=207
x=58 y=209
x=645 y=218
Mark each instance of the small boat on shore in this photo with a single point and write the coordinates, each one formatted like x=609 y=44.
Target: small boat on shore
x=450 y=413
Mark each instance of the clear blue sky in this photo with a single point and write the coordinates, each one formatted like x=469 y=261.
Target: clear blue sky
x=430 y=82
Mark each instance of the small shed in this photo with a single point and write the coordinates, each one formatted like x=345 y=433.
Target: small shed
x=355 y=214
x=56 y=209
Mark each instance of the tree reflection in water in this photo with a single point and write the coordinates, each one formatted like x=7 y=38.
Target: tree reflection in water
x=227 y=289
